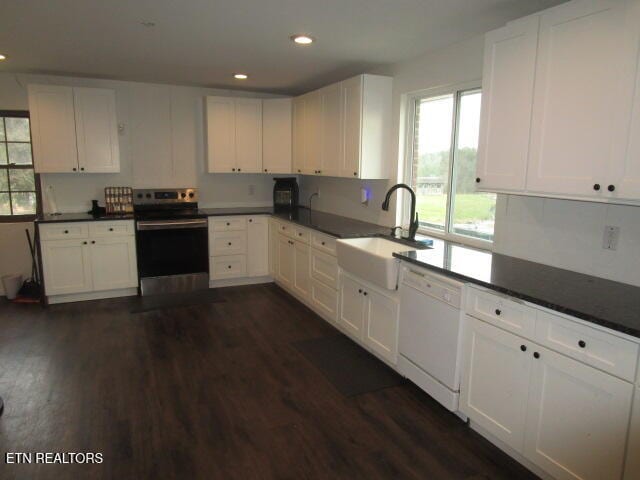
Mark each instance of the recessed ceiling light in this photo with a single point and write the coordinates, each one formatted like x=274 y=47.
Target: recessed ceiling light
x=240 y=76
x=302 y=39
x=3 y=57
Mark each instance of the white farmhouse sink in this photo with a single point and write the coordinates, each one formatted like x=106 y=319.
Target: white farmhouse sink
x=371 y=259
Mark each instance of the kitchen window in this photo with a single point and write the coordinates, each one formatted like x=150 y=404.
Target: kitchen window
x=18 y=182
x=443 y=145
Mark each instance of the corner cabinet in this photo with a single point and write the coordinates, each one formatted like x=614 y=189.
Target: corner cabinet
x=74 y=129
x=559 y=118
x=234 y=135
x=343 y=129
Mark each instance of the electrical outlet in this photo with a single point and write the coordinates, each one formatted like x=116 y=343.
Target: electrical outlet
x=611 y=237
x=252 y=189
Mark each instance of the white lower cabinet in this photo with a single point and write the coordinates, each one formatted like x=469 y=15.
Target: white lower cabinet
x=324 y=300
x=577 y=419
x=94 y=258
x=301 y=278
x=257 y=246
x=369 y=316
x=632 y=467
x=286 y=261
x=564 y=416
x=495 y=384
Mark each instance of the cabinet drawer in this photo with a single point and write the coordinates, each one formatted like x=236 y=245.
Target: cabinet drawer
x=225 y=224
x=324 y=300
x=287 y=229
x=118 y=228
x=432 y=285
x=62 y=231
x=323 y=242
x=230 y=266
x=501 y=312
x=302 y=235
x=228 y=243
x=324 y=268
x=599 y=349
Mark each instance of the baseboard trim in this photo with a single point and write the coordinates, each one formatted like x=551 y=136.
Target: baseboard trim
x=80 y=297
x=236 y=282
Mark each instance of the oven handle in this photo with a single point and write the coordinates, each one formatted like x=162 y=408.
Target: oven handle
x=149 y=225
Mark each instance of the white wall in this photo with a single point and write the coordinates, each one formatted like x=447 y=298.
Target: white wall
x=453 y=65
x=162 y=146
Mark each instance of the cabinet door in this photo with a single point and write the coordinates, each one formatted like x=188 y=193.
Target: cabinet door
x=53 y=129
x=577 y=419
x=381 y=325
x=257 y=246
x=352 y=306
x=632 y=468
x=67 y=266
x=582 y=98
x=312 y=133
x=302 y=279
x=495 y=384
x=351 y=115
x=113 y=263
x=507 y=99
x=286 y=263
x=221 y=134
x=248 y=135
x=324 y=300
x=330 y=131
x=298 y=133
x=273 y=248
x=276 y=135
x=96 y=130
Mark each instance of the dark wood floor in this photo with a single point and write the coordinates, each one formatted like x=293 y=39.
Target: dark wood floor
x=212 y=391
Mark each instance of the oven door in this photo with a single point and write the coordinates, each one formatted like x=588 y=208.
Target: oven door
x=172 y=247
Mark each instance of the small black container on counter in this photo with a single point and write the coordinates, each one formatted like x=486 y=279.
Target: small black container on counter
x=285 y=194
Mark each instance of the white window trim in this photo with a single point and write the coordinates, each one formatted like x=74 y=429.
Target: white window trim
x=405 y=207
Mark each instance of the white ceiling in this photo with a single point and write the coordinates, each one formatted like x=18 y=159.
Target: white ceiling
x=202 y=42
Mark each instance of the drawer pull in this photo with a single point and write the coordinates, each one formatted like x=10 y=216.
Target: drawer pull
x=228 y=224
x=582 y=344
x=359 y=290
x=417 y=273
x=322 y=243
x=498 y=312
x=228 y=266
x=365 y=293
x=229 y=244
x=66 y=231
x=250 y=220
x=299 y=234
x=523 y=348
x=536 y=355
x=111 y=229
x=84 y=243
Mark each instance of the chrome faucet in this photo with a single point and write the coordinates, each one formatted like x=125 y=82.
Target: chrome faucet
x=413 y=219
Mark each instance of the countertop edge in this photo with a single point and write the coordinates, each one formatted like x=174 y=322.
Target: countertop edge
x=536 y=301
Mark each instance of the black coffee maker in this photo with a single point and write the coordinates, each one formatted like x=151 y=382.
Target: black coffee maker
x=285 y=194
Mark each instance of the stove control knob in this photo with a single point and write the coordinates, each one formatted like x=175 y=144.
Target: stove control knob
x=139 y=195
x=191 y=195
x=148 y=195
x=183 y=194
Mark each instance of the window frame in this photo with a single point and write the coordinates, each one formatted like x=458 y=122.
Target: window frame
x=31 y=217
x=456 y=91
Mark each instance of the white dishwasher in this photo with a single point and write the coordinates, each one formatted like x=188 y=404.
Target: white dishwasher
x=429 y=336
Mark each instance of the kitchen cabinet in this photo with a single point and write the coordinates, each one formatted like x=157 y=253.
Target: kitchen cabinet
x=352 y=306
x=632 y=466
x=343 y=129
x=234 y=135
x=276 y=135
x=257 y=246
x=507 y=100
x=575 y=411
x=301 y=277
x=273 y=248
x=495 y=383
x=286 y=261
x=324 y=300
x=73 y=129
x=628 y=172
x=90 y=260
x=587 y=50
x=324 y=267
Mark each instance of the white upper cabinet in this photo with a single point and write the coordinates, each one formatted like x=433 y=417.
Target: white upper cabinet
x=507 y=99
x=96 y=130
x=584 y=85
x=73 y=129
x=344 y=129
x=276 y=135
x=234 y=135
x=53 y=128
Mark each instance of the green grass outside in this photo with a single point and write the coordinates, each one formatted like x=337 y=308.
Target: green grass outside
x=468 y=208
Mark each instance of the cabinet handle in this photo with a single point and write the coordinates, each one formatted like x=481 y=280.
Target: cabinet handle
x=82 y=169
x=66 y=231
x=299 y=234
x=498 y=311
x=536 y=355
x=365 y=293
x=523 y=348
x=250 y=220
x=582 y=344
x=319 y=171
x=322 y=243
x=239 y=169
x=477 y=179
x=265 y=170
x=111 y=229
x=355 y=174
x=596 y=187
x=228 y=266
x=298 y=170
x=359 y=290
x=84 y=243
x=228 y=224
x=611 y=188
x=93 y=241
x=74 y=169
x=233 y=169
x=229 y=243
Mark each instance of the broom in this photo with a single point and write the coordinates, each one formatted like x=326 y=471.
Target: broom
x=30 y=290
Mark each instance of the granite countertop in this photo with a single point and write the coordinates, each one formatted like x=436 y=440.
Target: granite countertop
x=214 y=212
x=341 y=227
x=80 y=217
x=604 y=302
